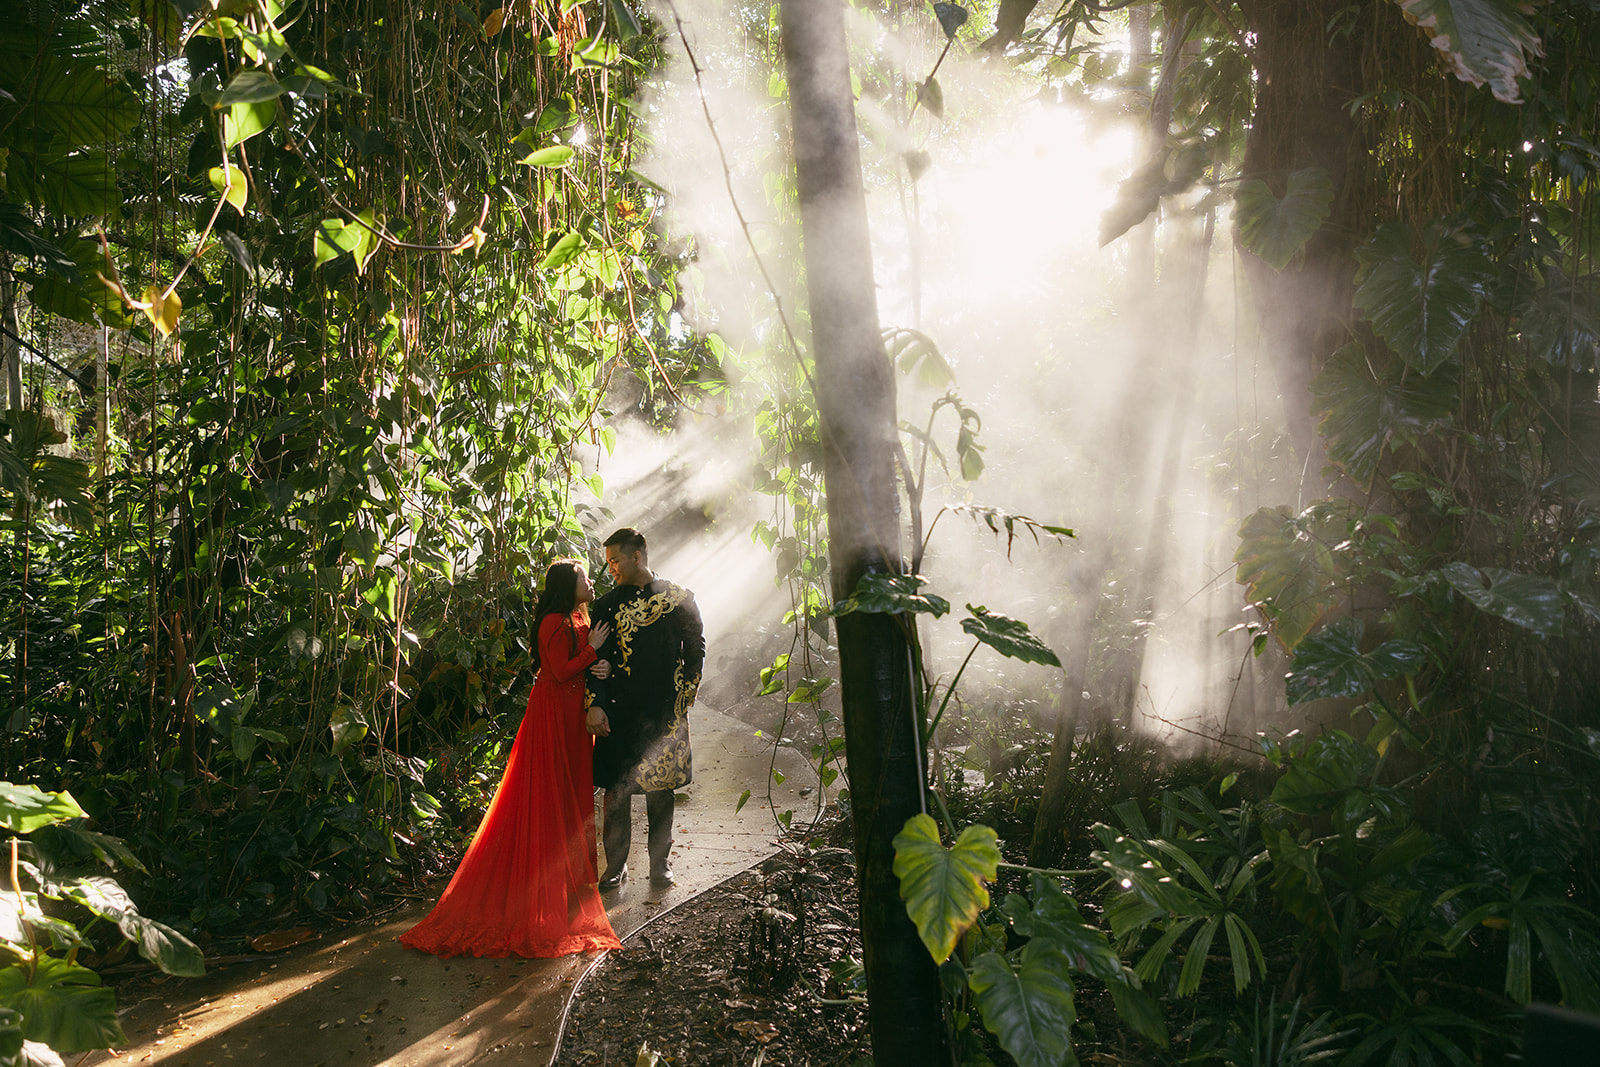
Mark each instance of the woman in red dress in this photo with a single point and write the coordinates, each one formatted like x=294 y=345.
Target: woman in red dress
x=526 y=886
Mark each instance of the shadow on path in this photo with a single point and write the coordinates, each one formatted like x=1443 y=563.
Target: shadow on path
x=361 y=1000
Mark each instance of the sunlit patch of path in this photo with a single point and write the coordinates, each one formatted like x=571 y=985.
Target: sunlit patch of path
x=362 y=1000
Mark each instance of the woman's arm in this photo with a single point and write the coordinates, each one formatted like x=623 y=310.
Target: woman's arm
x=555 y=650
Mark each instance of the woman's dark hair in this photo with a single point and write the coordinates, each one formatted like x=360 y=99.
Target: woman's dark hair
x=558 y=597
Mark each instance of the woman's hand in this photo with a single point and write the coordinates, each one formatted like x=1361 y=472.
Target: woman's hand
x=598 y=634
x=597 y=723
x=601 y=669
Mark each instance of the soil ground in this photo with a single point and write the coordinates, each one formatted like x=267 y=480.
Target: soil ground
x=757 y=970
x=353 y=997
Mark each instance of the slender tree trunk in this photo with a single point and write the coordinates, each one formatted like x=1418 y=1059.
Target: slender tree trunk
x=10 y=351
x=855 y=392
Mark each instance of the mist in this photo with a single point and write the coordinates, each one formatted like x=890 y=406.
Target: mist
x=1119 y=394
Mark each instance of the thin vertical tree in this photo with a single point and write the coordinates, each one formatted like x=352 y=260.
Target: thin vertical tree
x=855 y=392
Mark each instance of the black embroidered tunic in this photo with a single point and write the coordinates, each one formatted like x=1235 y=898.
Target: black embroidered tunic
x=656 y=649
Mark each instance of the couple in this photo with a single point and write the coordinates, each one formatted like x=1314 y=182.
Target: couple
x=527 y=885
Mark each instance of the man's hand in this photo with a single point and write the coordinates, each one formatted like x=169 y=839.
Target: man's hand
x=601 y=669
x=597 y=723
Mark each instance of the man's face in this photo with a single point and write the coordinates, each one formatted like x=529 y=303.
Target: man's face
x=625 y=567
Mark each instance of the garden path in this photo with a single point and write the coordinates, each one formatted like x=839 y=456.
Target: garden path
x=361 y=1000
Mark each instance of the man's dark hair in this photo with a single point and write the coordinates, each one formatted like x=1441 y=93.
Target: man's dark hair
x=628 y=540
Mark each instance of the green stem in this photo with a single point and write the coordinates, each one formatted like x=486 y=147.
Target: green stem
x=950 y=691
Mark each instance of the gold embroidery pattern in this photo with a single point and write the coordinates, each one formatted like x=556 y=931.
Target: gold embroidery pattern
x=635 y=616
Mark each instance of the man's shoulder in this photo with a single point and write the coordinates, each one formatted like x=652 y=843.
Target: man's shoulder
x=676 y=594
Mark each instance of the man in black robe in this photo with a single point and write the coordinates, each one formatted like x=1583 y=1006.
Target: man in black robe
x=640 y=712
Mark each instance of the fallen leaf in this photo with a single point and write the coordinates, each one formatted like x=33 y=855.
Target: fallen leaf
x=279 y=940
x=757 y=1030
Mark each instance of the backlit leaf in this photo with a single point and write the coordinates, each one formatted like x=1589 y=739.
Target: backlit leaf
x=1288 y=572
x=944 y=888
x=229 y=182
x=250 y=87
x=564 y=251
x=1486 y=42
x=26 y=808
x=242 y=121
x=162 y=309
x=558 y=155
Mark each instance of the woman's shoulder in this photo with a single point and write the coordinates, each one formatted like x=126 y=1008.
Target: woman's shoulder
x=552 y=622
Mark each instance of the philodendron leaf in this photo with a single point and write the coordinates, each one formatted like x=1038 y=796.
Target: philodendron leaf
x=1054 y=915
x=1008 y=636
x=944 y=888
x=25 y=808
x=1330 y=662
x=892 y=594
x=1030 y=1009
x=1421 y=308
x=64 y=1006
x=1561 y=323
x=1276 y=229
x=157 y=942
x=1487 y=42
x=1532 y=601
x=1289 y=573
x=1363 y=413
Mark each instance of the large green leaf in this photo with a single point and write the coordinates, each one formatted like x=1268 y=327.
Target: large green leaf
x=1532 y=601
x=1486 y=41
x=944 y=888
x=1363 y=414
x=1008 y=636
x=892 y=594
x=1421 y=308
x=1053 y=914
x=1030 y=1009
x=1288 y=572
x=1277 y=229
x=64 y=102
x=1330 y=662
x=250 y=87
x=26 y=808
x=157 y=942
x=1561 y=324
x=80 y=184
x=242 y=121
x=64 y=1006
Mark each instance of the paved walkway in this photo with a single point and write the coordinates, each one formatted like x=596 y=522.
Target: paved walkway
x=361 y=1000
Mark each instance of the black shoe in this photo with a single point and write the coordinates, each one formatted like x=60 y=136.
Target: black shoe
x=614 y=879
x=662 y=877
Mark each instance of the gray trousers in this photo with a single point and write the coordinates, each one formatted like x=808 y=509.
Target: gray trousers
x=617 y=831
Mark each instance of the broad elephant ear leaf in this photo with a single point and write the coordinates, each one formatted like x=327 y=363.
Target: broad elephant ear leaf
x=1288 y=573
x=1561 y=324
x=1421 y=308
x=1029 y=1008
x=1330 y=663
x=944 y=888
x=1363 y=413
x=1274 y=229
x=1531 y=601
x=1487 y=42
x=1008 y=636
x=64 y=1006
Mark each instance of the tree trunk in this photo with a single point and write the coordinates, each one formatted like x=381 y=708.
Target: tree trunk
x=10 y=351
x=1307 y=81
x=855 y=392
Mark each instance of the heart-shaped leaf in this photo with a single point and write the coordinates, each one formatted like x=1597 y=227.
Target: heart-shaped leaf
x=564 y=251
x=229 y=182
x=63 y=1006
x=1486 y=41
x=1277 y=229
x=944 y=888
x=1421 y=308
x=162 y=308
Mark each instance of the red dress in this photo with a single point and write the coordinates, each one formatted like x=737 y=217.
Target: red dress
x=526 y=886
